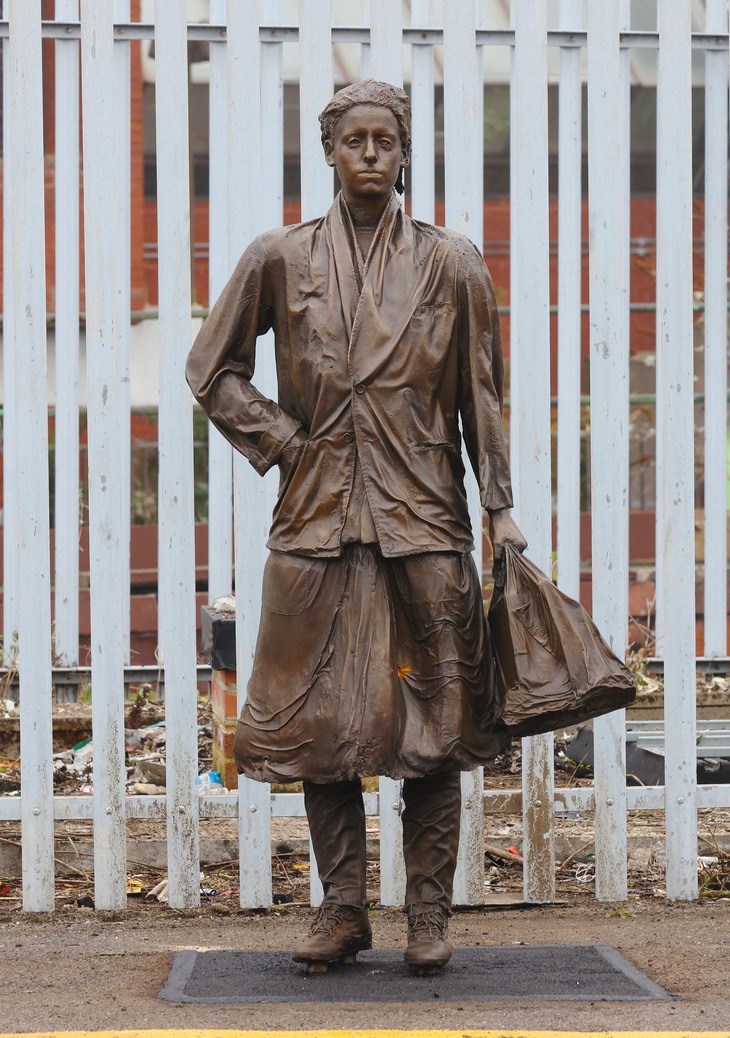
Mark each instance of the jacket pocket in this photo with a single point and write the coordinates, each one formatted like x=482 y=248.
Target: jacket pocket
x=436 y=445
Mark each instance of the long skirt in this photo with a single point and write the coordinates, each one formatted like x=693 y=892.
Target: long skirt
x=369 y=666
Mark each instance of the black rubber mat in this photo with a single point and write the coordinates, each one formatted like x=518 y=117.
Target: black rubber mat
x=591 y=972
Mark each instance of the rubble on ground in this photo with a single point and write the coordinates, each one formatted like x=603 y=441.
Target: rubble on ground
x=144 y=749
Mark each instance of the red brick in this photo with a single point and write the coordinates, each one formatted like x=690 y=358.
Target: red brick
x=223 y=696
x=223 y=736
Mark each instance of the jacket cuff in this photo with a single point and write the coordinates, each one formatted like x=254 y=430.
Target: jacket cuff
x=272 y=443
x=498 y=494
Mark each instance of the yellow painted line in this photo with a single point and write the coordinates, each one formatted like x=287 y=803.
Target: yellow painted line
x=369 y=1033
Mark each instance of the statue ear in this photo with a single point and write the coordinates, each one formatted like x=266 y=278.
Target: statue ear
x=329 y=153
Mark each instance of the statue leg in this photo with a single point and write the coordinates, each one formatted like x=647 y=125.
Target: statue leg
x=337 y=825
x=430 y=845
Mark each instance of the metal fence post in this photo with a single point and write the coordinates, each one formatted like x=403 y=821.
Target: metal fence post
x=107 y=495
x=609 y=358
x=675 y=439
x=530 y=389
x=31 y=449
x=176 y=507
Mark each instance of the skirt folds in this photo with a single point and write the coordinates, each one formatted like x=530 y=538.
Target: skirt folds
x=369 y=666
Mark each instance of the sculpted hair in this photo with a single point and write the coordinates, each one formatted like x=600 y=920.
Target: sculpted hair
x=368 y=92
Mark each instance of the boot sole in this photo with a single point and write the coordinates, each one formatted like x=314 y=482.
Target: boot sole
x=323 y=967
x=422 y=967
x=427 y=971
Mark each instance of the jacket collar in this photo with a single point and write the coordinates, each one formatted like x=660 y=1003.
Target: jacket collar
x=347 y=250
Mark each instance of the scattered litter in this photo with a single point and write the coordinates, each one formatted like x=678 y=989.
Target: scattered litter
x=210 y=783
x=145 y=750
x=584 y=871
x=134 y=888
x=714 y=873
x=507 y=854
x=160 y=891
x=153 y=771
x=148 y=789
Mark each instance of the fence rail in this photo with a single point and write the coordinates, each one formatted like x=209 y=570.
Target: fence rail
x=217 y=32
x=93 y=41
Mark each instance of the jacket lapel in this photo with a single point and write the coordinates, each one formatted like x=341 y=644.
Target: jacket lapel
x=353 y=274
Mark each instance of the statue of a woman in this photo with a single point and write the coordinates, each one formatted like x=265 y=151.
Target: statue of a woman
x=373 y=655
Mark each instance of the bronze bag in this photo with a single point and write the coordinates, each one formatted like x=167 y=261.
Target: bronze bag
x=553 y=667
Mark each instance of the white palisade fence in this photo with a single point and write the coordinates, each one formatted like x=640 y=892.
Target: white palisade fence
x=92 y=40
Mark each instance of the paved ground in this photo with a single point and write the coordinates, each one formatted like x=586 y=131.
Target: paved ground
x=340 y=1033
x=369 y=1033
x=80 y=970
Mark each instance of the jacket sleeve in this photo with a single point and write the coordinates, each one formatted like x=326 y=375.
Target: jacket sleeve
x=481 y=371
x=220 y=365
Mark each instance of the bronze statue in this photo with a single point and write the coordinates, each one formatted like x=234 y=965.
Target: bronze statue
x=373 y=654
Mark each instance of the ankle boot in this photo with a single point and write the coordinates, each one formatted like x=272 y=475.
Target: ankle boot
x=338 y=933
x=428 y=948
x=341 y=928
x=431 y=822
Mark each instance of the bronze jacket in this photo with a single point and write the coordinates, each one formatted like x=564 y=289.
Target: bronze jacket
x=383 y=358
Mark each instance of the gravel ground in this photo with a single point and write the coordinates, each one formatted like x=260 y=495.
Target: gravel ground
x=87 y=970
x=81 y=969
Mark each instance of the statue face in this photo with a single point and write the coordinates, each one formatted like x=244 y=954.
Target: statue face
x=367 y=153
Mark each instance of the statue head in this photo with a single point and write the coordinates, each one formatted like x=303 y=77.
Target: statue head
x=367 y=92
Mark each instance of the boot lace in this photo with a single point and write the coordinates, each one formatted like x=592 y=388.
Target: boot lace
x=327 y=921
x=427 y=925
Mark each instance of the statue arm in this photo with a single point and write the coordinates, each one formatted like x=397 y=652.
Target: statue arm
x=482 y=370
x=220 y=366
x=481 y=375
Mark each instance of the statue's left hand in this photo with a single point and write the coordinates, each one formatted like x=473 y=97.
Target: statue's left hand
x=504 y=530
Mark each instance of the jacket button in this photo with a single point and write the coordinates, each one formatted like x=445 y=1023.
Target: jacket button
x=348 y=437
x=360 y=388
